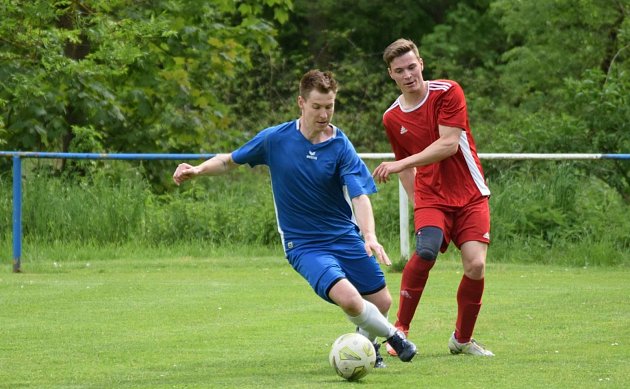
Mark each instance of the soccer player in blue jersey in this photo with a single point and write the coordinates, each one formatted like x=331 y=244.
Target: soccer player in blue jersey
x=325 y=219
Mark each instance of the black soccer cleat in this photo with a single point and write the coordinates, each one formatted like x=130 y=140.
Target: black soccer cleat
x=379 y=363
x=405 y=349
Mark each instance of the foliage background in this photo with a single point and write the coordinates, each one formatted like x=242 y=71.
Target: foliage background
x=174 y=76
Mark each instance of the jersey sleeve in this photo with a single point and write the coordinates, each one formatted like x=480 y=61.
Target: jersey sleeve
x=354 y=173
x=254 y=152
x=452 y=111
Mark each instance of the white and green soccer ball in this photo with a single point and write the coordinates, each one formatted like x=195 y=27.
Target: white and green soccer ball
x=352 y=356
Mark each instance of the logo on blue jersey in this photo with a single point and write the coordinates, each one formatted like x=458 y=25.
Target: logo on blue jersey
x=311 y=155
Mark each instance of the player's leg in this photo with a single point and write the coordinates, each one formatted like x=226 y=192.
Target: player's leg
x=362 y=271
x=416 y=273
x=368 y=318
x=471 y=235
x=365 y=274
x=431 y=238
x=383 y=301
x=469 y=296
x=430 y=225
x=470 y=289
x=323 y=272
x=346 y=296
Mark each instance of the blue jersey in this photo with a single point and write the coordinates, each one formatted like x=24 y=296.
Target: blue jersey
x=312 y=183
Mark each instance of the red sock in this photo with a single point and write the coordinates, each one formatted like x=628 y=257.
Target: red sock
x=468 y=306
x=414 y=278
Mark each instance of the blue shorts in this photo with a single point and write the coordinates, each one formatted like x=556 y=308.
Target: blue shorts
x=323 y=265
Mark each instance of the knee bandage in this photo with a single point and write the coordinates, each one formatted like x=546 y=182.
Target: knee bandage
x=428 y=242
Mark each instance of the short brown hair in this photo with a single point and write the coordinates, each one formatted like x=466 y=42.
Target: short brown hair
x=323 y=82
x=398 y=48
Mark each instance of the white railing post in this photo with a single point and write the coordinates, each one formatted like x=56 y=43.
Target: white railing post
x=403 y=212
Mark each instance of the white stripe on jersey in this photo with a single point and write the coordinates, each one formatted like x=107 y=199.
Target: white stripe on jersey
x=472 y=166
x=439 y=85
x=394 y=105
x=346 y=195
x=433 y=85
x=275 y=209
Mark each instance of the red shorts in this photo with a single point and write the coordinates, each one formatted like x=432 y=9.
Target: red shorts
x=459 y=224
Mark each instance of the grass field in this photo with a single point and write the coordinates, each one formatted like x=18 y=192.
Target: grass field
x=250 y=321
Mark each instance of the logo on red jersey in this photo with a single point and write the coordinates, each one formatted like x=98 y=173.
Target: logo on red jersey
x=402 y=130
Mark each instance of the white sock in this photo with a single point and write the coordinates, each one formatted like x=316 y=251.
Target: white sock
x=372 y=323
x=366 y=334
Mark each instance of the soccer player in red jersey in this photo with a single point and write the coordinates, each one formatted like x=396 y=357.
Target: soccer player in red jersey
x=437 y=163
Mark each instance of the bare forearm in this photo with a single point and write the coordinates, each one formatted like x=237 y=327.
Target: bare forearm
x=407 y=178
x=435 y=152
x=219 y=164
x=445 y=146
x=364 y=215
x=365 y=219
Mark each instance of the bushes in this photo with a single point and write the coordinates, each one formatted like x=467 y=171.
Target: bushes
x=546 y=211
x=117 y=206
x=542 y=211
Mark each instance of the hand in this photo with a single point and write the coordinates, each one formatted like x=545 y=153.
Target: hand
x=184 y=172
x=372 y=247
x=382 y=171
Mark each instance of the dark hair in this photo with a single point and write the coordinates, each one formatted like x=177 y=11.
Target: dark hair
x=398 y=48
x=323 y=82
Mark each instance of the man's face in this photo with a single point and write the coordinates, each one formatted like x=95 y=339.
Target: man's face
x=406 y=70
x=317 y=109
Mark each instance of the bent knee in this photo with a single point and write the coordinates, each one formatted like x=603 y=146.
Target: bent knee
x=427 y=253
x=428 y=242
x=382 y=299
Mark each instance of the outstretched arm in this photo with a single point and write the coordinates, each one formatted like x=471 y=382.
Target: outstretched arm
x=365 y=219
x=445 y=146
x=219 y=164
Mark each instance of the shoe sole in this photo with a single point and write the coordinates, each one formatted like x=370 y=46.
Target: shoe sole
x=456 y=351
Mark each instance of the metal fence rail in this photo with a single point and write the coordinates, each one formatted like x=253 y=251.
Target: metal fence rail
x=17 y=182
x=17 y=157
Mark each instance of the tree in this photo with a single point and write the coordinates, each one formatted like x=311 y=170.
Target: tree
x=347 y=37
x=567 y=80
x=125 y=75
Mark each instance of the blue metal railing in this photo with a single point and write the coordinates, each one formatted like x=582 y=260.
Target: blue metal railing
x=17 y=180
x=17 y=213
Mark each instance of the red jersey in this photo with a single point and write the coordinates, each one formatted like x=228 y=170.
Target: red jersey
x=456 y=180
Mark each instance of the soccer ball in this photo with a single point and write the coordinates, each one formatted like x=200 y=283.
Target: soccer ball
x=352 y=356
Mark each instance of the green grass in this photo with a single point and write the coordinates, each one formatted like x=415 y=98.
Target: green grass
x=231 y=320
